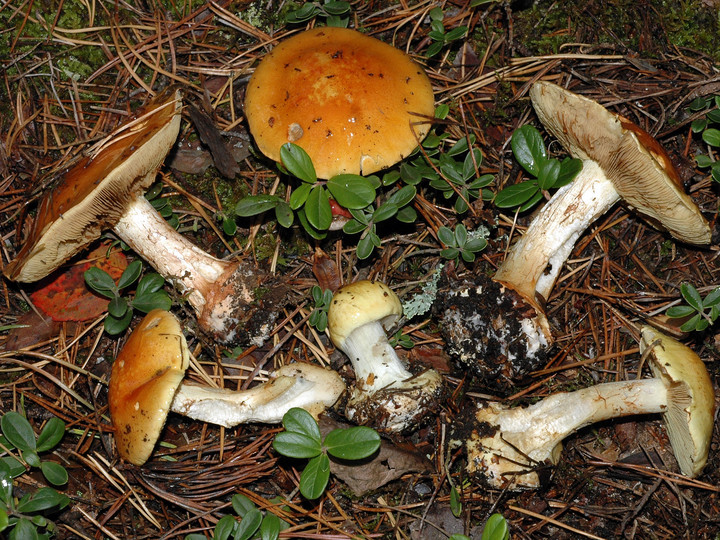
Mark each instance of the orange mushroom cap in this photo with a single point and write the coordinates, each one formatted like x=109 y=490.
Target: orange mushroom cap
x=145 y=376
x=354 y=103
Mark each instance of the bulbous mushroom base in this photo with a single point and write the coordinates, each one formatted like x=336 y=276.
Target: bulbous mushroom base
x=243 y=305
x=492 y=331
x=399 y=408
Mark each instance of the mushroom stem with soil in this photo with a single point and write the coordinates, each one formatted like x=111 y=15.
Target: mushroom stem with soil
x=386 y=395
x=620 y=161
x=507 y=446
x=105 y=191
x=146 y=384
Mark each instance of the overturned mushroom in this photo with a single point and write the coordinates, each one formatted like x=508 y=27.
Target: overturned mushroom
x=354 y=103
x=507 y=445
x=146 y=384
x=386 y=395
x=104 y=191
x=620 y=161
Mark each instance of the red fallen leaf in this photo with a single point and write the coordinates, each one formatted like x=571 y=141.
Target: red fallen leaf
x=67 y=298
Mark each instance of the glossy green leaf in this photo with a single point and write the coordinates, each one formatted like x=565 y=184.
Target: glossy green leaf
x=117 y=307
x=403 y=196
x=714 y=116
x=299 y=195
x=711 y=136
x=23 y=530
x=224 y=528
x=354 y=443
x=691 y=296
x=249 y=525
x=456 y=33
x=229 y=226
x=130 y=274
x=100 y=281
x=317 y=208
x=446 y=236
x=255 y=204
x=298 y=162
x=354 y=227
x=54 y=473
x=569 y=169
x=407 y=214
x=242 y=504
x=3 y=520
x=43 y=499
x=441 y=111
x=150 y=283
x=312 y=231
x=713 y=298
x=115 y=326
x=351 y=190
x=12 y=466
x=532 y=201
x=157 y=300
x=296 y=445
x=548 y=173
x=516 y=194
x=678 y=312
x=18 y=431
x=365 y=247
x=496 y=528
x=703 y=161
x=284 y=214
x=31 y=458
x=336 y=7
x=315 y=476
x=270 y=527
x=528 y=148
x=298 y=420
x=387 y=210
x=51 y=434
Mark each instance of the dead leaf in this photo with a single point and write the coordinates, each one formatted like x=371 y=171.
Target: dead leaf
x=67 y=298
x=325 y=271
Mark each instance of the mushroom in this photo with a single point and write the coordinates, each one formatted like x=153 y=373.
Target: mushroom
x=354 y=103
x=620 y=160
x=385 y=394
x=104 y=191
x=146 y=384
x=507 y=445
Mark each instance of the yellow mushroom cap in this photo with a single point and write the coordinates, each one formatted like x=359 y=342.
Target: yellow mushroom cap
x=354 y=103
x=145 y=376
x=691 y=406
x=357 y=304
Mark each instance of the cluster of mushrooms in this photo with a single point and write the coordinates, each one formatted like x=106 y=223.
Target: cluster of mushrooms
x=357 y=105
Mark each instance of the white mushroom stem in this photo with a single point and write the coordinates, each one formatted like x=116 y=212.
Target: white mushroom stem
x=510 y=443
x=193 y=271
x=309 y=387
x=533 y=264
x=379 y=372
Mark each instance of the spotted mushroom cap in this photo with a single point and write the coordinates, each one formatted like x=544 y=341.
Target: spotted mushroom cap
x=360 y=303
x=354 y=103
x=145 y=376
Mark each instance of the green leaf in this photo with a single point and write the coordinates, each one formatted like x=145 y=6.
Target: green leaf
x=387 y=210
x=698 y=125
x=315 y=476
x=54 y=473
x=446 y=236
x=714 y=116
x=18 y=431
x=242 y=504
x=4 y=520
x=569 y=169
x=703 y=161
x=117 y=307
x=351 y=190
x=711 y=136
x=456 y=33
x=284 y=214
x=224 y=528
x=157 y=300
x=317 y=208
x=31 y=458
x=441 y=111
x=51 y=434
x=459 y=536
x=434 y=48
x=336 y=7
x=299 y=195
x=407 y=214
x=255 y=204
x=312 y=231
x=100 y=281
x=516 y=194
x=365 y=247
x=455 y=502
x=298 y=162
x=229 y=226
x=249 y=525
x=270 y=527
x=548 y=174
x=712 y=299
x=24 y=530
x=115 y=326
x=496 y=528
x=12 y=466
x=43 y=499
x=460 y=235
x=130 y=274
x=354 y=227
x=149 y=283
x=461 y=146
x=528 y=148
x=403 y=196
x=296 y=445
x=298 y=420
x=353 y=443
x=691 y=296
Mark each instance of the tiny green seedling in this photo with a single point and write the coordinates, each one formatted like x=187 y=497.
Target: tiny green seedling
x=149 y=294
x=708 y=128
x=702 y=312
x=302 y=440
x=529 y=151
x=318 y=317
x=439 y=36
x=252 y=521
x=496 y=528
x=460 y=243
x=20 y=449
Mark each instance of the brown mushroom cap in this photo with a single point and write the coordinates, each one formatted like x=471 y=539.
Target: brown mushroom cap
x=145 y=376
x=91 y=196
x=631 y=158
x=354 y=103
